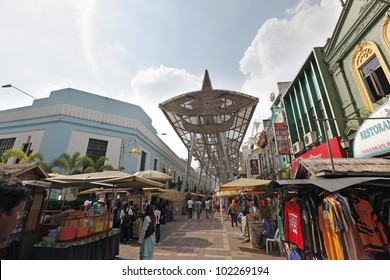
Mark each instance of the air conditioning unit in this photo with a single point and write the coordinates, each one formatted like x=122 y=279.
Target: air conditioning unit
x=297 y=148
x=310 y=138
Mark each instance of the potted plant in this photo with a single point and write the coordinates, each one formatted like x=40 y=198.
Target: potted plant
x=286 y=172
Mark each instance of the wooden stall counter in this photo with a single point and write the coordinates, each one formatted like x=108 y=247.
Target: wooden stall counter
x=99 y=247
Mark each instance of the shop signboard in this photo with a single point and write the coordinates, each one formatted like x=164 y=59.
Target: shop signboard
x=321 y=151
x=373 y=137
x=281 y=139
x=254 y=163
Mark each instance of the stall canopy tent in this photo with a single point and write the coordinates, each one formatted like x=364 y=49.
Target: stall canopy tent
x=131 y=181
x=173 y=195
x=107 y=179
x=91 y=191
x=335 y=184
x=85 y=179
x=243 y=185
x=342 y=167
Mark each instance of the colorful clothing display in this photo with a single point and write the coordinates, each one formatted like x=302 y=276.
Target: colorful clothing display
x=330 y=226
x=371 y=231
x=337 y=226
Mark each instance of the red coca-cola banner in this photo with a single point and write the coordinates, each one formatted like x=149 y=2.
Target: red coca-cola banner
x=321 y=151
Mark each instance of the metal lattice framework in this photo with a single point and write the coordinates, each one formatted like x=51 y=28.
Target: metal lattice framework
x=212 y=124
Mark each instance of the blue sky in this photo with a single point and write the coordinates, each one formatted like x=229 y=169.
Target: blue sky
x=145 y=52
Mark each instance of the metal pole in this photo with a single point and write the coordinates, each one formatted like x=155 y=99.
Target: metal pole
x=329 y=149
x=8 y=86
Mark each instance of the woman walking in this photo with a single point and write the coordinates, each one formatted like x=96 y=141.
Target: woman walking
x=147 y=238
x=233 y=212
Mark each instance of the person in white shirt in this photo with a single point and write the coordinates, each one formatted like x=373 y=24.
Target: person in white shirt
x=158 y=213
x=126 y=223
x=207 y=207
x=190 y=203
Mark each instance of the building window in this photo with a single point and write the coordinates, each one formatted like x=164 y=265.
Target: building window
x=371 y=74
x=143 y=161
x=163 y=168
x=6 y=144
x=375 y=80
x=26 y=147
x=155 y=164
x=96 y=149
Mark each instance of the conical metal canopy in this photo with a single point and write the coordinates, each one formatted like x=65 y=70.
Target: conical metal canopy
x=212 y=124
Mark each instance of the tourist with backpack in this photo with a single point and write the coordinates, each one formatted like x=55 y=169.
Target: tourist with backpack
x=126 y=223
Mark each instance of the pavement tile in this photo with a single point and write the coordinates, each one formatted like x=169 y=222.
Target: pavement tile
x=207 y=239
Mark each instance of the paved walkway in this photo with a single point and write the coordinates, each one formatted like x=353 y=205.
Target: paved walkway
x=208 y=239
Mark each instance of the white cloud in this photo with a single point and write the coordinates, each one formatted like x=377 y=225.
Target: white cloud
x=83 y=15
x=168 y=82
x=281 y=46
x=98 y=47
x=153 y=86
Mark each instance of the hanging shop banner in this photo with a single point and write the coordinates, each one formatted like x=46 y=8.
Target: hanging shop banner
x=322 y=151
x=262 y=139
x=281 y=139
x=373 y=137
x=254 y=163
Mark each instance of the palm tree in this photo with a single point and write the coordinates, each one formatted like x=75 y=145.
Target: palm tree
x=15 y=153
x=96 y=166
x=34 y=157
x=70 y=164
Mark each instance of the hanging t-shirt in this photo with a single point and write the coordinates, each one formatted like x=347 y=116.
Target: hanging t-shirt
x=371 y=231
x=329 y=223
x=306 y=229
x=292 y=223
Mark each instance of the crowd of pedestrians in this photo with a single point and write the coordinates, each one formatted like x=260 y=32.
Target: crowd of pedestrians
x=126 y=216
x=195 y=207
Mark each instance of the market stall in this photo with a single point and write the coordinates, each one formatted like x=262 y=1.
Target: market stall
x=98 y=247
x=85 y=237
x=335 y=214
x=246 y=187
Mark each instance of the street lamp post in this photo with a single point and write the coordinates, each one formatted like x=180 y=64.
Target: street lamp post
x=127 y=143
x=9 y=86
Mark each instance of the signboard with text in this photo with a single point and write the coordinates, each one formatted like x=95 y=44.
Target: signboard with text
x=373 y=136
x=254 y=164
x=281 y=139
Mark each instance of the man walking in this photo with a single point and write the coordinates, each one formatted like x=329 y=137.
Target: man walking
x=207 y=207
x=190 y=203
x=198 y=209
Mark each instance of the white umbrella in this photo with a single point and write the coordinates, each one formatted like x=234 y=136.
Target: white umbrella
x=153 y=175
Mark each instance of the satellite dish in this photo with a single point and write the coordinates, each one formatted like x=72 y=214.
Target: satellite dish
x=272 y=97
